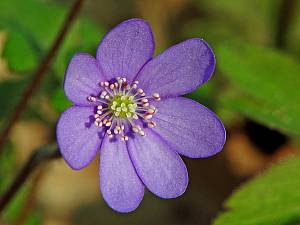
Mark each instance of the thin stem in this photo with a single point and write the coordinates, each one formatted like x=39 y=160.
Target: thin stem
x=286 y=11
x=41 y=155
x=41 y=71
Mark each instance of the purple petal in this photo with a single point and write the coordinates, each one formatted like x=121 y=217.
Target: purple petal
x=125 y=49
x=160 y=168
x=189 y=127
x=82 y=78
x=178 y=70
x=78 y=138
x=120 y=186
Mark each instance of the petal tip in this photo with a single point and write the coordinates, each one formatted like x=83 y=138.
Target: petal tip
x=212 y=58
x=71 y=153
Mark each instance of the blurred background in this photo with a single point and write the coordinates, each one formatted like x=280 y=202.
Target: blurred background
x=255 y=90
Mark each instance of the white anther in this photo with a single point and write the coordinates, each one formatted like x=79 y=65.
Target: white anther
x=144 y=100
x=99 y=112
x=116 y=131
x=96 y=116
x=151 y=111
x=112 y=86
x=99 y=107
x=140 y=91
x=110 y=136
x=98 y=124
x=156 y=96
x=142 y=133
x=107 y=97
x=91 y=98
x=151 y=124
x=108 y=131
x=106 y=84
x=154 y=109
x=147 y=116
x=124 y=138
x=135 y=129
x=146 y=104
x=108 y=123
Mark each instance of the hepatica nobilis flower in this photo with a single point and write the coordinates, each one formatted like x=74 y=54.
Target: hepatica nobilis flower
x=127 y=105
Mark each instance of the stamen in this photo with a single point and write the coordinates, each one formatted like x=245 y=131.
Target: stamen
x=120 y=105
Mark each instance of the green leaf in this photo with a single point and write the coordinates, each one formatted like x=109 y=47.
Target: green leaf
x=270 y=199
x=260 y=111
x=224 y=19
x=34 y=218
x=10 y=92
x=59 y=101
x=20 y=55
x=39 y=21
x=7 y=167
x=204 y=94
x=266 y=83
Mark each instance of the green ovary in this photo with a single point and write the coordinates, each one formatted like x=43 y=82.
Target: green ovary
x=123 y=106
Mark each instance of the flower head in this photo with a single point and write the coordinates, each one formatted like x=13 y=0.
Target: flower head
x=127 y=105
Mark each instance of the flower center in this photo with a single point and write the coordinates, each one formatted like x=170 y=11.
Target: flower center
x=123 y=106
x=120 y=106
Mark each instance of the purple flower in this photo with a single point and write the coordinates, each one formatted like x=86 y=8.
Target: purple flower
x=127 y=105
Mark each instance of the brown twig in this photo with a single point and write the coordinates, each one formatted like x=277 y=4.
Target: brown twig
x=30 y=200
x=41 y=155
x=41 y=71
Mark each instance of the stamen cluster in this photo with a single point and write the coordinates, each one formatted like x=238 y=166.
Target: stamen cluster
x=120 y=105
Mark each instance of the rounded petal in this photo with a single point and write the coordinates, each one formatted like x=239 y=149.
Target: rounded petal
x=178 y=70
x=82 y=79
x=125 y=49
x=77 y=137
x=189 y=127
x=160 y=168
x=120 y=186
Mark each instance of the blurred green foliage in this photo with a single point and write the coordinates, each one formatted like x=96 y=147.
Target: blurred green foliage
x=19 y=52
x=31 y=27
x=256 y=82
x=243 y=19
x=270 y=199
x=37 y=24
x=10 y=92
x=265 y=85
x=7 y=172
